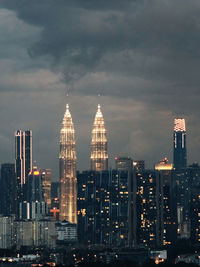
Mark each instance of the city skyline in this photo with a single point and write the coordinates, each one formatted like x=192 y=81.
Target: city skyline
x=100 y=132
x=178 y=121
x=145 y=70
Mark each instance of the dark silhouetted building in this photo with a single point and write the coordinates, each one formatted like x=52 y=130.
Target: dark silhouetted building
x=103 y=208
x=167 y=206
x=7 y=189
x=33 y=206
x=156 y=224
x=23 y=162
x=139 y=165
x=123 y=163
x=182 y=192
x=195 y=215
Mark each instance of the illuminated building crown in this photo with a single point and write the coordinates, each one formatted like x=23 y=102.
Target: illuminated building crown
x=179 y=125
x=99 y=155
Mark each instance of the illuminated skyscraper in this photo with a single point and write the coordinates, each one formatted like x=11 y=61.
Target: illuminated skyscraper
x=180 y=153
x=99 y=155
x=68 y=180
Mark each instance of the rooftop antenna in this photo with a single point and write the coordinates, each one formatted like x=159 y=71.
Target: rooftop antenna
x=99 y=95
x=67 y=95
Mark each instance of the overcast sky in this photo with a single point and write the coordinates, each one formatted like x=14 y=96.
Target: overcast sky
x=142 y=56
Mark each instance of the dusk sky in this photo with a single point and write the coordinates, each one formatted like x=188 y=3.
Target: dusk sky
x=142 y=57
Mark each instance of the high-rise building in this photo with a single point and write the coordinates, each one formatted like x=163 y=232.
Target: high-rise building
x=34 y=187
x=166 y=200
x=46 y=184
x=123 y=163
x=99 y=154
x=68 y=180
x=103 y=207
x=146 y=209
x=23 y=162
x=183 y=182
x=33 y=205
x=7 y=189
x=139 y=165
x=180 y=153
x=23 y=155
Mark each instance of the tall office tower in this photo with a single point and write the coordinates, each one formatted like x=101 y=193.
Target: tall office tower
x=23 y=155
x=99 y=154
x=33 y=205
x=68 y=180
x=23 y=162
x=180 y=153
x=166 y=200
x=46 y=184
x=7 y=189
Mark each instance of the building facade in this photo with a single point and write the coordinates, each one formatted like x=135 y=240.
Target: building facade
x=146 y=209
x=7 y=232
x=104 y=205
x=35 y=233
x=66 y=232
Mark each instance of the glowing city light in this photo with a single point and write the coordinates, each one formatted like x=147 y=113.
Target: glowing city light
x=179 y=125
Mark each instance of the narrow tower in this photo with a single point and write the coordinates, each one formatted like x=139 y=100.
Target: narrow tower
x=23 y=163
x=180 y=153
x=68 y=181
x=99 y=154
x=23 y=155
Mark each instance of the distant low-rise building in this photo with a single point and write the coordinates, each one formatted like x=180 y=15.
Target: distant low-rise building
x=6 y=232
x=36 y=233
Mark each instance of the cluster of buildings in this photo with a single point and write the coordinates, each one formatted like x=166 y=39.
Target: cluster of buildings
x=129 y=206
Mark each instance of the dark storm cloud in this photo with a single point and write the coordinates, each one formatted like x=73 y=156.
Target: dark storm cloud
x=156 y=40
x=142 y=56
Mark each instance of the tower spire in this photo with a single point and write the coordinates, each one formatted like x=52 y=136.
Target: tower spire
x=99 y=154
x=68 y=181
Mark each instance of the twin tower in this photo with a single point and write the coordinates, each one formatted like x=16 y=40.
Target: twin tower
x=67 y=159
